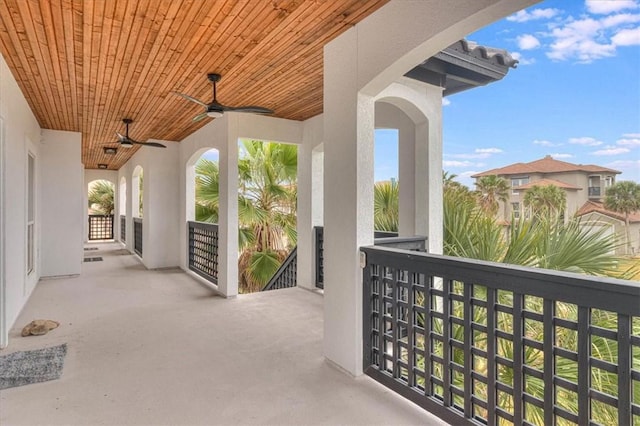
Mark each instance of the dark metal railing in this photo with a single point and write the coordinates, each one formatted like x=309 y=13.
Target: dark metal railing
x=137 y=235
x=123 y=228
x=202 y=249
x=484 y=343
x=319 y=244
x=594 y=191
x=100 y=227
x=382 y=238
x=286 y=275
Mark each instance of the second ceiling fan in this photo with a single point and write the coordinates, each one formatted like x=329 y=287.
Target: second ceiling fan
x=214 y=109
x=127 y=142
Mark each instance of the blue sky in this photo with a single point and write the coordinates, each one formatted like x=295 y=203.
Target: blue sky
x=575 y=94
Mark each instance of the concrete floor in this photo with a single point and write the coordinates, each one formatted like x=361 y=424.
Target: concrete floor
x=156 y=347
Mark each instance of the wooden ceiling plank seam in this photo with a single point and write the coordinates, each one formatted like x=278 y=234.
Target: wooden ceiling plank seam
x=15 y=58
x=122 y=60
x=153 y=29
x=166 y=66
x=152 y=69
x=112 y=120
x=57 y=49
x=131 y=51
x=91 y=37
x=65 y=11
x=204 y=51
x=48 y=49
x=108 y=46
x=232 y=5
x=260 y=17
x=288 y=49
x=78 y=23
x=36 y=64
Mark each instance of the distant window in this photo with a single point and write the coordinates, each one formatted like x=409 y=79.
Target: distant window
x=515 y=208
x=608 y=181
x=518 y=181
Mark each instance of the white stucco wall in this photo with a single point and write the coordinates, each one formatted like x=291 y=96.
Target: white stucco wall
x=21 y=134
x=161 y=211
x=376 y=52
x=61 y=203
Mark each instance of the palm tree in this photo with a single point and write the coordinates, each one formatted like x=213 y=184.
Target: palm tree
x=267 y=199
x=385 y=206
x=266 y=210
x=546 y=201
x=207 y=196
x=623 y=197
x=100 y=197
x=491 y=190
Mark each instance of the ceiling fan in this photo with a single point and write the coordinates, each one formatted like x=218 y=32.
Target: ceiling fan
x=127 y=142
x=214 y=109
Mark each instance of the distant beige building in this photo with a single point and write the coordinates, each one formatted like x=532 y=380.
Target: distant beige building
x=581 y=182
x=593 y=213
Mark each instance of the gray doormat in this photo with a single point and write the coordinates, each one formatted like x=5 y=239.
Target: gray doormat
x=26 y=367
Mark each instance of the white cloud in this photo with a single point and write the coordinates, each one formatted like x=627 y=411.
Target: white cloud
x=624 y=164
x=488 y=150
x=452 y=163
x=620 y=19
x=631 y=135
x=479 y=153
x=528 y=42
x=608 y=6
x=524 y=16
x=445 y=102
x=586 y=141
x=629 y=141
x=521 y=59
x=558 y=155
x=627 y=37
x=611 y=150
x=545 y=143
x=579 y=40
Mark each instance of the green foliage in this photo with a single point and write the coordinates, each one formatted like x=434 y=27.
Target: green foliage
x=267 y=200
x=546 y=201
x=100 y=197
x=385 y=206
x=207 y=187
x=490 y=191
x=623 y=197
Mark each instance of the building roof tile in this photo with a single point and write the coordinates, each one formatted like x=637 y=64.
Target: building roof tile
x=598 y=207
x=545 y=165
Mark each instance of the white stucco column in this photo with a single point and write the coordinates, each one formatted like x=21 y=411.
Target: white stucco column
x=358 y=65
x=348 y=201
x=228 y=214
x=308 y=189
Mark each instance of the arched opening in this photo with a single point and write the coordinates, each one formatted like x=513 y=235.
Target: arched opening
x=267 y=211
x=137 y=184
x=101 y=207
x=122 y=208
x=137 y=208
x=202 y=212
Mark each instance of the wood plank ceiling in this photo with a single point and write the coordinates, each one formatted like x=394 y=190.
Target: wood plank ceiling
x=84 y=65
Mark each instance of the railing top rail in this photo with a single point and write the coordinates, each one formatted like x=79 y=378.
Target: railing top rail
x=202 y=225
x=137 y=219
x=385 y=240
x=596 y=292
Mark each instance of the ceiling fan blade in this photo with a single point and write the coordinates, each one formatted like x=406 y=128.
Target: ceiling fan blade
x=249 y=108
x=200 y=116
x=190 y=98
x=121 y=137
x=154 y=144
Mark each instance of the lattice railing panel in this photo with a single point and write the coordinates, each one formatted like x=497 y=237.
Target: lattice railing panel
x=490 y=344
x=203 y=250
